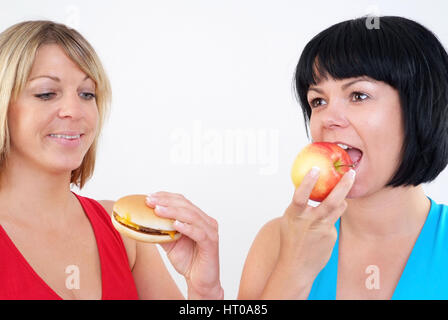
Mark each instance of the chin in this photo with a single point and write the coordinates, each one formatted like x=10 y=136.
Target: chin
x=62 y=170
x=65 y=166
x=356 y=192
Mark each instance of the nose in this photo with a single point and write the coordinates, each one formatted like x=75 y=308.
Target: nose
x=334 y=115
x=71 y=106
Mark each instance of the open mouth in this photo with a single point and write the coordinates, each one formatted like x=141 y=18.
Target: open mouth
x=355 y=154
x=66 y=136
x=68 y=139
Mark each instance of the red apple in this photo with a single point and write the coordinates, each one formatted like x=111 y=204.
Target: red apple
x=332 y=160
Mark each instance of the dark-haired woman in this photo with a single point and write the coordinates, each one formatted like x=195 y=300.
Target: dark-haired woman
x=384 y=93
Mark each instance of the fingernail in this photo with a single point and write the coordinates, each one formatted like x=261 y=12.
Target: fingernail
x=177 y=223
x=150 y=199
x=352 y=174
x=160 y=209
x=314 y=172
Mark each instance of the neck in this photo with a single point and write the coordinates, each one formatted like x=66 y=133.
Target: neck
x=31 y=193
x=390 y=212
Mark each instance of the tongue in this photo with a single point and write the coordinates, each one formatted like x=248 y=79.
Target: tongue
x=354 y=154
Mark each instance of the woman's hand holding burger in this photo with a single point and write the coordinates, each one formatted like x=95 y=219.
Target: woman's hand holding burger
x=307 y=238
x=196 y=254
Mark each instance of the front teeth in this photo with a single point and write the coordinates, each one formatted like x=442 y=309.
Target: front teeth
x=65 y=136
x=343 y=146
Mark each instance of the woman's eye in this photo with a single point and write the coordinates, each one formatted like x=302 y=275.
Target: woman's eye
x=359 y=96
x=87 y=95
x=45 y=96
x=317 y=102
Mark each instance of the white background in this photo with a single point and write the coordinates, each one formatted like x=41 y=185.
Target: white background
x=186 y=75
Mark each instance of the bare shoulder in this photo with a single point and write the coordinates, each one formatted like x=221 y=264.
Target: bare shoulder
x=108 y=205
x=272 y=226
x=129 y=244
x=267 y=241
x=260 y=260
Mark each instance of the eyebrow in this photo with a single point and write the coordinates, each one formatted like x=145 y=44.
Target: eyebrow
x=52 y=78
x=345 y=85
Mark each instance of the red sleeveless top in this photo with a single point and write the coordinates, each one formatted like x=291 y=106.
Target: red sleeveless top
x=18 y=280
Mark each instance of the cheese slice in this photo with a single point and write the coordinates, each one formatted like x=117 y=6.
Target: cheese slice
x=127 y=221
x=171 y=233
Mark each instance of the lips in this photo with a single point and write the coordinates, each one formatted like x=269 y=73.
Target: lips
x=66 y=138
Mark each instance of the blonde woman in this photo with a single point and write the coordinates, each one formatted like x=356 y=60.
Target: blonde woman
x=54 y=95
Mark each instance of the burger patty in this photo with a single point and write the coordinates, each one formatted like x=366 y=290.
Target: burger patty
x=140 y=228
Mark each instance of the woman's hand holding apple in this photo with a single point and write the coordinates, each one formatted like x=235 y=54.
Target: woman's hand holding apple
x=308 y=235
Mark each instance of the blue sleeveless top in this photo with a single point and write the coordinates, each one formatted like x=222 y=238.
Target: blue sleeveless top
x=425 y=275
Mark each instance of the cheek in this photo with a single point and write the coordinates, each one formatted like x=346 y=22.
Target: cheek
x=92 y=118
x=383 y=140
x=314 y=129
x=385 y=132
x=21 y=125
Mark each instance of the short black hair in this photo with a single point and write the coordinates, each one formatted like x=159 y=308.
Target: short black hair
x=408 y=57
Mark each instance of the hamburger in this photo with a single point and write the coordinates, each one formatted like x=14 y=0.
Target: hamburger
x=134 y=219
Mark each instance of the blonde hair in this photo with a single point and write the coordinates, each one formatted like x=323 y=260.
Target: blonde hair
x=18 y=46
